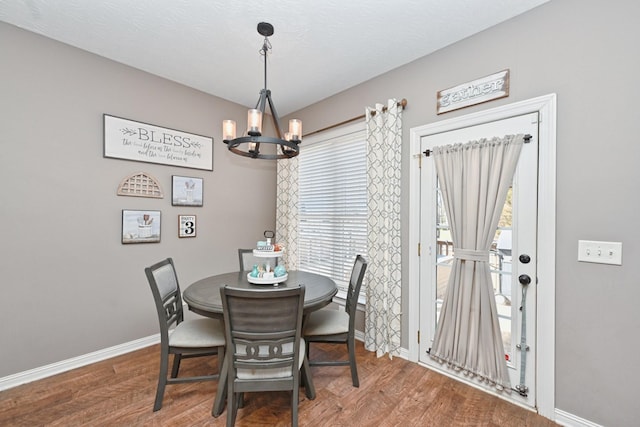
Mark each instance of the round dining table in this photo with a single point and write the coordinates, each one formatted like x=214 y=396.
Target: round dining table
x=203 y=297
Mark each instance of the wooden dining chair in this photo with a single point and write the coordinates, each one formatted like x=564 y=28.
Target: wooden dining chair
x=188 y=338
x=246 y=260
x=265 y=351
x=337 y=326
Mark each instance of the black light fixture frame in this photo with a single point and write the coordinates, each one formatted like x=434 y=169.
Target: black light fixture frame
x=288 y=149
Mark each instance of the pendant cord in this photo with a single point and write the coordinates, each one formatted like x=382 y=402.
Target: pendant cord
x=266 y=47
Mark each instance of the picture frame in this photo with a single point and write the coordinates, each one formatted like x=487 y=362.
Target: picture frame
x=186 y=191
x=126 y=139
x=140 y=226
x=187 y=226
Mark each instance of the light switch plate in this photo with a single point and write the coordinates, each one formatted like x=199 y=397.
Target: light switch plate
x=600 y=252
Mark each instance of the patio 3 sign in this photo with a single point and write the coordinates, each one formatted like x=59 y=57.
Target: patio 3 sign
x=475 y=92
x=129 y=140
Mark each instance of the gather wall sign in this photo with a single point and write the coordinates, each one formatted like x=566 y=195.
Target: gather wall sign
x=474 y=92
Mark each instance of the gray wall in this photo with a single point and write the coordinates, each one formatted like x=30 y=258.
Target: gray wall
x=587 y=53
x=71 y=291
x=69 y=287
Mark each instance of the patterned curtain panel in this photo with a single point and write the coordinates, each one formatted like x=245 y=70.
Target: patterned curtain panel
x=474 y=178
x=383 y=276
x=287 y=211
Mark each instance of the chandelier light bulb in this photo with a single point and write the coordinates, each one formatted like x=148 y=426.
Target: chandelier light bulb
x=228 y=130
x=295 y=130
x=254 y=122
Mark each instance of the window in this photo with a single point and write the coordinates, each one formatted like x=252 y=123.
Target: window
x=332 y=228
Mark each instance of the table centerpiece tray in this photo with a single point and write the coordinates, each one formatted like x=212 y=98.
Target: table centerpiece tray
x=266 y=254
x=266 y=281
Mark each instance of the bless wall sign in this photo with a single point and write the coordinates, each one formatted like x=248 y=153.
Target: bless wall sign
x=474 y=92
x=143 y=142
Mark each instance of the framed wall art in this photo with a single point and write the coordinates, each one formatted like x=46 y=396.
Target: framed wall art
x=186 y=226
x=186 y=191
x=140 y=226
x=142 y=142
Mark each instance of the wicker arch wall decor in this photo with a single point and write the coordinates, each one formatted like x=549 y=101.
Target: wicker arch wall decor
x=140 y=184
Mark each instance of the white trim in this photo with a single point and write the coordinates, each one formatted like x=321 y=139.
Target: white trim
x=414 y=242
x=566 y=419
x=545 y=335
x=75 y=362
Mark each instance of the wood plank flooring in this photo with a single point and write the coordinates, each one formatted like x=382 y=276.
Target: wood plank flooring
x=120 y=392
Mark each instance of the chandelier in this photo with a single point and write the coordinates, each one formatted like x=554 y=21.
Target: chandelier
x=287 y=144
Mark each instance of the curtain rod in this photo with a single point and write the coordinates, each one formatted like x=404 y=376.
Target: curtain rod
x=402 y=103
x=526 y=138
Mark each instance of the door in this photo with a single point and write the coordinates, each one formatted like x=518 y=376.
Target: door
x=512 y=258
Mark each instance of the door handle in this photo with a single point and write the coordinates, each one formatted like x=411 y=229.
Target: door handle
x=524 y=258
x=524 y=279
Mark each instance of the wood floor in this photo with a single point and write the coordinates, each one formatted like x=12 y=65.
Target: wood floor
x=120 y=392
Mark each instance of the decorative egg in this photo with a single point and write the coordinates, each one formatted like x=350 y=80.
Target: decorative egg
x=279 y=271
x=254 y=272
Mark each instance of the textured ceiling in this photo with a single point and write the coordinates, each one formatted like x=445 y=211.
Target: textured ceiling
x=319 y=47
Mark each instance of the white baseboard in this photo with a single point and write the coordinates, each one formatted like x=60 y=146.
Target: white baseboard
x=75 y=362
x=566 y=419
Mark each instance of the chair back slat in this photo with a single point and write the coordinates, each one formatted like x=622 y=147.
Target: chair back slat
x=173 y=313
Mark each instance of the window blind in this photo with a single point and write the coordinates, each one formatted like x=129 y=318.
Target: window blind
x=332 y=229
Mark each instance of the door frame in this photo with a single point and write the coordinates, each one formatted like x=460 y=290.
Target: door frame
x=546 y=233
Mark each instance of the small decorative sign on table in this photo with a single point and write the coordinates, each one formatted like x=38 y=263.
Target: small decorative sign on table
x=186 y=226
x=142 y=142
x=474 y=92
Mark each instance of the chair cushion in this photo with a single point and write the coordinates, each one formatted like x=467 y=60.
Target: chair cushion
x=327 y=322
x=258 y=374
x=198 y=333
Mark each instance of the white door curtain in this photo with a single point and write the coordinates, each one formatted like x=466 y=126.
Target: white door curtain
x=383 y=276
x=474 y=179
